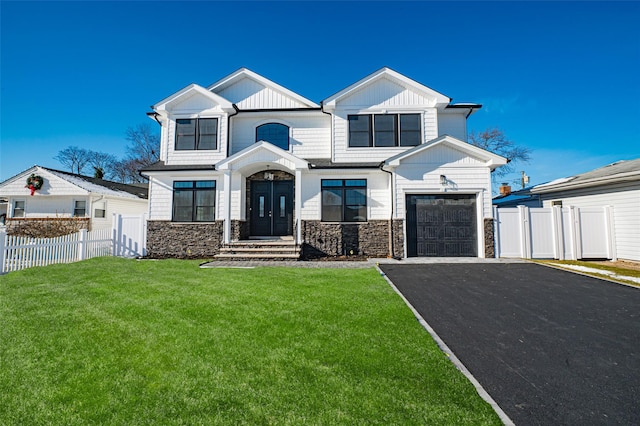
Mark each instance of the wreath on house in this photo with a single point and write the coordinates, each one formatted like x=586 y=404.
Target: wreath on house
x=34 y=183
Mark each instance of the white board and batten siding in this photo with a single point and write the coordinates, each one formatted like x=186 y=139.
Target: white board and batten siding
x=624 y=198
x=250 y=94
x=378 y=193
x=309 y=132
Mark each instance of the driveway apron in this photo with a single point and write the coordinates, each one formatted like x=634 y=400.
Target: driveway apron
x=551 y=347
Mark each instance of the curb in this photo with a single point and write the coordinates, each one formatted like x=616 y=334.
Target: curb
x=449 y=353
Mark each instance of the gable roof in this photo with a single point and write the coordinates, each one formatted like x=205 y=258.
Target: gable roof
x=492 y=160
x=243 y=73
x=89 y=184
x=620 y=171
x=191 y=90
x=268 y=152
x=390 y=74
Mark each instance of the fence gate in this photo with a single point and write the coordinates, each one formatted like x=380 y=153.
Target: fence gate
x=129 y=235
x=555 y=233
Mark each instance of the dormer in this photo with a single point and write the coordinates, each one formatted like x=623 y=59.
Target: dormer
x=194 y=123
x=386 y=113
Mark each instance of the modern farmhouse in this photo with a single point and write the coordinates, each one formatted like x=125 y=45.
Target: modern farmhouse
x=380 y=169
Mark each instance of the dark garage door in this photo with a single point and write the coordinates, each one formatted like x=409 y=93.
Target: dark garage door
x=442 y=225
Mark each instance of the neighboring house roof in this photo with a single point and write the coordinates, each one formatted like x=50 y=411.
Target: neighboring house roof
x=243 y=73
x=387 y=73
x=492 y=160
x=520 y=197
x=90 y=184
x=620 y=171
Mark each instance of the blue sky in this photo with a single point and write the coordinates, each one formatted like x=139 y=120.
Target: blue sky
x=559 y=77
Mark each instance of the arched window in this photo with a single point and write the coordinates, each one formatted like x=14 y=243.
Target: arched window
x=275 y=133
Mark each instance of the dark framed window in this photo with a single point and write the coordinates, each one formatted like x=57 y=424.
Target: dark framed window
x=344 y=200
x=360 y=131
x=274 y=133
x=410 y=130
x=196 y=134
x=194 y=201
x=384 y=130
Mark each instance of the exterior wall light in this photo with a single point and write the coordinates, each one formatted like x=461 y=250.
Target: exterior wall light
x=443 y=180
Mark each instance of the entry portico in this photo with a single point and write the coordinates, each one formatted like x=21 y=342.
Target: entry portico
x=244 y=168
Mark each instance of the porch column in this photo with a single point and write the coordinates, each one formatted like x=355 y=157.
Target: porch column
x=298 y=205
x=227 y=206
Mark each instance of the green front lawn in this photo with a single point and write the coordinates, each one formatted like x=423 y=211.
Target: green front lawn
x=117 y=341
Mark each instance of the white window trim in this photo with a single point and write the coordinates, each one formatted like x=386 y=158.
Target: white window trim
x=87 y=205
x=174 y=123
x=13 y=207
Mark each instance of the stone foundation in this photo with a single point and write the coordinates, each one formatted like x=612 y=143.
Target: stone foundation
x=489 y=242
x=46 y=227
x=239 y=230
x=370 y=239
x=167 y=239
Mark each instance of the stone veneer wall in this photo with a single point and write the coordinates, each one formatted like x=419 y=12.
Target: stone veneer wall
x=167 y=239
x=489 y=242
x=369 y=239
x=46 y=227
x=239 y=230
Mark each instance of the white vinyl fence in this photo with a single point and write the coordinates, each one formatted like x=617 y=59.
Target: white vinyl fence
x=555 y=233
x=127 y=238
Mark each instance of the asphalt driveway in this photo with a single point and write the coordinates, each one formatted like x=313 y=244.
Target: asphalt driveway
x=551 y=347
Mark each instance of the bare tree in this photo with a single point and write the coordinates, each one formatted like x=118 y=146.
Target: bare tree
x=494 y=140
x=144 y=145
x=102 y=164
x=126 y=171
x=73 y=157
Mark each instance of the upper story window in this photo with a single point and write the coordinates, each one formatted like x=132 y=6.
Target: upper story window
x=274 y=133
x=196 y=133
x=384 y=130
x=194 y=201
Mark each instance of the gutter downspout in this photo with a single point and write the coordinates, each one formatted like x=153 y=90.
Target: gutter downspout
x=392 y=190
x=229 y=127
x=332 y=135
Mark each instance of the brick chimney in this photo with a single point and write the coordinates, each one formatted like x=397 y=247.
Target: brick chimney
x=505 y=189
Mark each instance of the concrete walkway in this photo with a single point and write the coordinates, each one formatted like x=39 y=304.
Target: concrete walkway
x=347 y=264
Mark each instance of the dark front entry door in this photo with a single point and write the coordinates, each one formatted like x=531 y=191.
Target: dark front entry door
x=271 y=207
x=441 y=225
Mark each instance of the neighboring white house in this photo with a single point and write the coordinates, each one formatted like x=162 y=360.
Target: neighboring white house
x=381 y=168
x=66 y=195
x=616 y=185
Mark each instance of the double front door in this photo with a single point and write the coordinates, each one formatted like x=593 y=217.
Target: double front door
x=271 y=207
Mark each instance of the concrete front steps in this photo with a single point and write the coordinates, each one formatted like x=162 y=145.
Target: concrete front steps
x=282 y=248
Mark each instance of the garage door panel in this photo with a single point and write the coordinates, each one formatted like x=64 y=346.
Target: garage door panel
x=441 y=225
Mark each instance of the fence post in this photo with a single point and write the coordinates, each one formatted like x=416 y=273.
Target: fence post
x=82 y=245
x=574 y=230
x=143 y=239
x=117 y=231
x=558 y=233
x=525 y=233
x=611 y=233
x=3 y=244
x=496 y=231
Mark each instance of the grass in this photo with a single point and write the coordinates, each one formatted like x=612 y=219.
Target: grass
x=117 y=341
x=601 y=266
